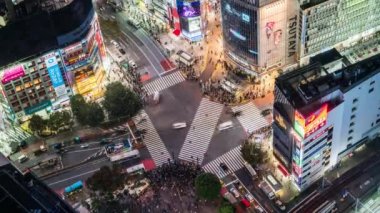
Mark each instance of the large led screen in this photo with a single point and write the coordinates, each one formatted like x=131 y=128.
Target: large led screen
x=189 y=8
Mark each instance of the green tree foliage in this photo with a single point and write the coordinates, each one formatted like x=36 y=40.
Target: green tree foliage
x=252 y=153
x=95 y=114
x=106 y=179
x=86 y=113
x=207 y=186
x=79 y=108
x=120 y=102
x=226 y=207
x=37 y=124
x=59 y=119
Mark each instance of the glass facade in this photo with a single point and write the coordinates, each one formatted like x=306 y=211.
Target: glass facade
x=240 y=29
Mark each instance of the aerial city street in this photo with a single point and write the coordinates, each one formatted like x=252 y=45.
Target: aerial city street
x=187 y=106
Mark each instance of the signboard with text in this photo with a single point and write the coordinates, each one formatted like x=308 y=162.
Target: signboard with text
x=55 y=75
x=13 y=74
x=307 y=126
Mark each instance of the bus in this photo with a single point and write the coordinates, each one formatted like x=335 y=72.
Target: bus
x=139 y=168
x=73 y=188
x=125 y=155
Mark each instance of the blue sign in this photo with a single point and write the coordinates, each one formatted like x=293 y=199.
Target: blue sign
x=56 y=76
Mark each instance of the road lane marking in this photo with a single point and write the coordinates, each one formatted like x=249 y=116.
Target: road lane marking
x=151 y=63
x=85 y=173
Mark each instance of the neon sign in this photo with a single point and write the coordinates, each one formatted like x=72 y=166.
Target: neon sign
x=307 y=126
x=13 y=74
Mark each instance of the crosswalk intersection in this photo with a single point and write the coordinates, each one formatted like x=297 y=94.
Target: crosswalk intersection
x=153 y=141
x=99 y=153
x=201 y=131
x=232 y=159
x=164 y=82
x=250 y=118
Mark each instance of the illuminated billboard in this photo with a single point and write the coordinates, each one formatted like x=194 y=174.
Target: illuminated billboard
x=307 y=126
x=194 y=24
x=12 y=74
x=55 y=74
x=189 y=8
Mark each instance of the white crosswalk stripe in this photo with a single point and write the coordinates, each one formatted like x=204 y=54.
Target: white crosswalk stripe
x=250 y=118
x=153 y=142
x=232 y=159
x=166 y=81
x=201 y=131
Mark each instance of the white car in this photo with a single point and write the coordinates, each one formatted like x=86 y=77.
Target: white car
x=235 y=192
x=84 y=146
x=280 y=205
x=249 y=197
x=225 y=125
x=133 y=64
x=179 y=125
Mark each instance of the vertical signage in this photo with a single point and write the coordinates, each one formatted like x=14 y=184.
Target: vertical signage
x=55 y=75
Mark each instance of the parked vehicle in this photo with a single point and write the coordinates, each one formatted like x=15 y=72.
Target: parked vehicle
x=245 y=202
x=84 y=146
x=249 y=197
x=224 y=167
x=280 y=205
x=250 y=170
x=22 y=158
x=267 y=190
x=156 y=97
x=73 y=188
x=235 y=192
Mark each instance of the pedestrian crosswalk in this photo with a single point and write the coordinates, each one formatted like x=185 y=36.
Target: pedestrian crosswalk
x=153 y=141
x=250 y=118
x=232 y=159
x=164 y=82
x=201 y=131
x=99 y=153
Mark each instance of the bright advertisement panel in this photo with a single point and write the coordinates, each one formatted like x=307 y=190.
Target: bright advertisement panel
x=194 y=24
x=306 y=127
x=189 y=8
x=13 y=74
x=55 y=75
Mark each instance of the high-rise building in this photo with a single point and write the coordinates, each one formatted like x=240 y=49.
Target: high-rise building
x=255 y=33
x=23 y=192
x=325 y=24
x=323 y=112
x=49 y=50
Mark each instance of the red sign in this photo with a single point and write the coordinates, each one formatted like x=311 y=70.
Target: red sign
x=307 y=126
x=12 y=74
x=283 y=170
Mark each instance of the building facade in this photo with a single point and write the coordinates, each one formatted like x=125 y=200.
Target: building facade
x=48 y=56
x=322 y=113
x=325 y=24
x=255 y=33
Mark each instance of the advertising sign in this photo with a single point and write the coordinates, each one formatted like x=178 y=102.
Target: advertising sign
x=55 y=75
x=189 y=8
x=13 y=74
x=307 y=126
x=194 y=24
x=40 y=106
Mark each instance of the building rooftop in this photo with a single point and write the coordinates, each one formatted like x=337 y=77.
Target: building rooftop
x=304 y=86
x=25 y=193
x=37 y=33
x=327 y=57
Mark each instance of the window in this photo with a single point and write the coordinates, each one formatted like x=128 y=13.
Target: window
x=351 y=131
x=377 y=121
x=353 y=109
x=355 y=100
x=372 y=82
x=353 y=116
x=352 y=123
x=349 y=138
x=370 y=90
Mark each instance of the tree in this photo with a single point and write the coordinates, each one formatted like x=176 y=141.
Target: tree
x=226 y=207
x=252 y=153
x=95 y=114
x=59 y=120
x=79 y=108
x=37 y=124
x=106 y=179
x=120 y=102
x=207 y=186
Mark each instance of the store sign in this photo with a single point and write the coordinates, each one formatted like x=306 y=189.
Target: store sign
x=13 y=74
x=307 y=126
x=292 y=36
x=55 y=75
x=40 y=106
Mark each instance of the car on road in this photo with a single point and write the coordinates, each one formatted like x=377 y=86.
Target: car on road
x=235 y=192
x=224 y=167
x=225 y=125
x=179 y=125
x=84 y=145
x=22 y=158
x=122 y=51
x=249 y=197
x=280 y=205
x=133 y=64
